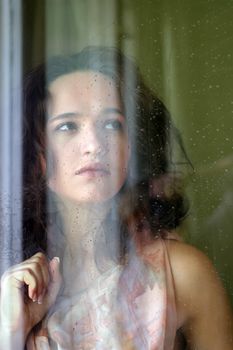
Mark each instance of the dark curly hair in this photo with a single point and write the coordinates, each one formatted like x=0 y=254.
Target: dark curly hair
x=151 y=195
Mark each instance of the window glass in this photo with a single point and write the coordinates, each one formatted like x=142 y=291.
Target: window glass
x=115 y=150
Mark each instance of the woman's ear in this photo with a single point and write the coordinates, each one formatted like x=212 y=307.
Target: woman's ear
x=129 y=163
x=129 y=152
x=43 y=164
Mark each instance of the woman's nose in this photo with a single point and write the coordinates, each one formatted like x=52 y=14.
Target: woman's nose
x=92 y=142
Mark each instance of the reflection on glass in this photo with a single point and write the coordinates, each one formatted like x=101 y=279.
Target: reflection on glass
x=103 y=265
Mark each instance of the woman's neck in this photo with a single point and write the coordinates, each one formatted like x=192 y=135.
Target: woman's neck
x=83 y=228
x=81 y=223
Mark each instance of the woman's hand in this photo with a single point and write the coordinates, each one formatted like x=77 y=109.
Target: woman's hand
x=28 y=290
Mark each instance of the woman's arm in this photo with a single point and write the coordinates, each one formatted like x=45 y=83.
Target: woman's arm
x=204 y=310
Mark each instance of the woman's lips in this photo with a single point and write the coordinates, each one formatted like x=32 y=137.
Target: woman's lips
x=95 y=170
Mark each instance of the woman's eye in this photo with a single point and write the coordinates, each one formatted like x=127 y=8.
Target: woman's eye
x=113 y=125
x=68 y=126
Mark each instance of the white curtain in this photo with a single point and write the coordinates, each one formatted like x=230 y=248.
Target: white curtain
x=10 y=132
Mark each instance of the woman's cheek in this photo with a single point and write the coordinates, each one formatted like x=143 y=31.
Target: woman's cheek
x=57 y=161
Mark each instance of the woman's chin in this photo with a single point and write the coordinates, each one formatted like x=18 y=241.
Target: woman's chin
x=87 y=198
x=80 y=195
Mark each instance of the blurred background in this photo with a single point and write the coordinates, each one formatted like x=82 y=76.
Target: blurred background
x=184 y=49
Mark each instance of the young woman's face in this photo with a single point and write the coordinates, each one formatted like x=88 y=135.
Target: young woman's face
x=87 y=137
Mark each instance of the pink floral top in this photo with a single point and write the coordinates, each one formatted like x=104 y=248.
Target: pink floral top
x=130 y=307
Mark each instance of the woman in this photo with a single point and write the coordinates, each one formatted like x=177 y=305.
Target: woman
x=103 y=267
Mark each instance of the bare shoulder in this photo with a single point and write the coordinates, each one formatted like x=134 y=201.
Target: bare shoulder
x=191 y=268
x=203 y=307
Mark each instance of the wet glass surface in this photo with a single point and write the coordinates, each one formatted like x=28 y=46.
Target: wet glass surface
x=184 y=52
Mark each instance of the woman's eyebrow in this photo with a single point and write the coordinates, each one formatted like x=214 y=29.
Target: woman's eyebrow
x=106 y=111
x=63 y=116
x=112 y=110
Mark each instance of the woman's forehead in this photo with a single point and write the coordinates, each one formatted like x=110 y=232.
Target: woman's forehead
x=87 y=79
x=82 y=89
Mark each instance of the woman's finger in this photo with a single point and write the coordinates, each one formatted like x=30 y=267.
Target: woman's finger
x=38 y=267
x=55 y=282
x=39 y=310
x=43 y=265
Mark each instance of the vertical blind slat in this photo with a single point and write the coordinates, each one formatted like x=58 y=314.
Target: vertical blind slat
x=10 y=132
